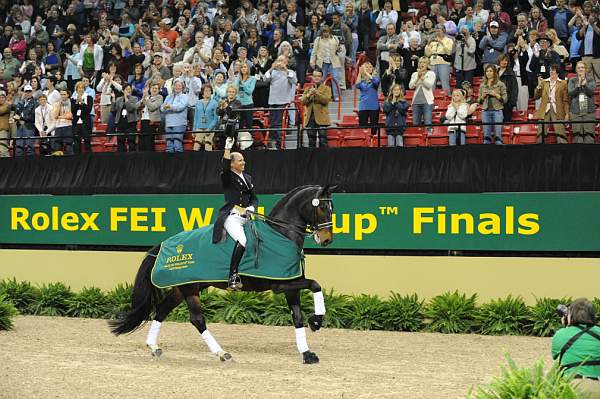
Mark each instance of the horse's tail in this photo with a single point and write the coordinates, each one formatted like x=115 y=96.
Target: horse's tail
x=144 y=299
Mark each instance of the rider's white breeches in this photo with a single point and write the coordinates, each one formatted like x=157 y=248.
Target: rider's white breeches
x=234 y=225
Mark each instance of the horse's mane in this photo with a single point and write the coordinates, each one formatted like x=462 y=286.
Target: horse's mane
x=286 y=198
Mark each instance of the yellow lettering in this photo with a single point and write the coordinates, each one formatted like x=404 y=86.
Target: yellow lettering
x=40 y=221
x=345 y=223
x=510 y=220
x=359 y=229
x=18 y=216
x=489 y=223
x=116 y=217
x=195 y=218
x=69 y=221
x=528 y=222
x=137 y=217
x=89 y=221
x=419 y=219
x=261 y=210
x=441 y=220
x=158 y=223
x=54 y=218
x=455 y=219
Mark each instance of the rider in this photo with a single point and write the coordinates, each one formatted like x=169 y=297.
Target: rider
x=239 y=198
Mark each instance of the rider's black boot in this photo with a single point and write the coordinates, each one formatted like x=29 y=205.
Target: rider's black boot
x=235 y=282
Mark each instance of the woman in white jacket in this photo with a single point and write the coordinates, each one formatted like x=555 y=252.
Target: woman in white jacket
x=457 y=112
x=422 y=81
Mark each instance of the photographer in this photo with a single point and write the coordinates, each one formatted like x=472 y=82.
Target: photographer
x=464 y=60
x=577 y=345
x=228 y=110
x=439 y=51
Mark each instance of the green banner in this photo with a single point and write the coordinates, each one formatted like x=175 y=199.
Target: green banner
x=563 y=221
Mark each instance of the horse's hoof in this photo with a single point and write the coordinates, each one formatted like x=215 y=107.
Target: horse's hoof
x=315 y=322
x=225 y=356
x=155 y=351
x=309 y=357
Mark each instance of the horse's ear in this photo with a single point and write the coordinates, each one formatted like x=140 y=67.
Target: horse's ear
x=328 y=189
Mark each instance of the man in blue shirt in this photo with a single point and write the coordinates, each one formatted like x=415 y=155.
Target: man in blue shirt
x=175 y=110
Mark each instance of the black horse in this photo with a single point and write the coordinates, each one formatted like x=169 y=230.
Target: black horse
x=305 y=210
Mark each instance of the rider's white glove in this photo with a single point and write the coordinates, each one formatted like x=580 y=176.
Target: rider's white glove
x=229 y=143
x=250 y=208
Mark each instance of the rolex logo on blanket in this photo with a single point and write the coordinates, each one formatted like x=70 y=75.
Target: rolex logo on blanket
x=190 y=256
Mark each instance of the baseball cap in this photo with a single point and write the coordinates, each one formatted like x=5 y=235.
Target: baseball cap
x=2 y=93
x=27 y=88
x=166 y=21
x=494 y=23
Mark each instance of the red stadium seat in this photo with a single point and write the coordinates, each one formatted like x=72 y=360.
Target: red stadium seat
x=439 y=137
x=356 y=138
x=414 y=136
x=473 y=134
x=525 y=134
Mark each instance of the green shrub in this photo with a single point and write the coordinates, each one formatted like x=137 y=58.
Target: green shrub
x=596 y=302
x=403 y=313
x=210 y=302
x=53 y=300
x=180 y=313
x=239 y=307
x=366 y=312
x=516 y=382
x=277 y=312
x=7 y=311
x=119 y=299
x=451 y=313
x=544 y=320
x=337 y=310
x=23 y=295
x=507 y=316
x=89 y=302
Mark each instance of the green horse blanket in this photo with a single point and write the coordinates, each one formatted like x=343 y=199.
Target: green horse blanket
x=190 y=257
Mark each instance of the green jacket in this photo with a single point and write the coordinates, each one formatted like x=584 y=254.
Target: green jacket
x=585 y=348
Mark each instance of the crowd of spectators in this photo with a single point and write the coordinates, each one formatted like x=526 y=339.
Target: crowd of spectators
x=172 y=66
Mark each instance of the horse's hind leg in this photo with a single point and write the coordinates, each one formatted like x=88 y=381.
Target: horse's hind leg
x=169 y=303
x=197 y=319
x=293 y=301
x=315 y=321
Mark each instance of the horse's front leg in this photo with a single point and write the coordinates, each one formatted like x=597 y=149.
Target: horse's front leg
x=293 y=301
x=169 y=303
x=315 y=321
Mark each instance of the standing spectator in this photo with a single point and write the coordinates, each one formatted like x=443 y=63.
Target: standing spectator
x=341 y=32
x=205 y=120
x=368 y=106
x=395 y=74
x=25 y=117
x=468 y=21
x=262 y=64
x=410 y=58
x=313 y=30
x=439 y=51
x=507 y=76
x=464 y=60
x=63 y=139
x=72 y=68
x=44 y=122
x=457 y=112
x=561 y=18
x=589 y=34
x=335 y=7
x=220 y=86
x=18 y=45
x=108 y=84
x=150 y=105
x=191 y=88
x=575 y=24
x=423 y=82
x=282 y=84
x=92 y=56
x=537 y=21
x=126 y=117
x=394 y=108
x=245 y=83
x=366 y=26
x=581 y=91
x=9 y=65
x=81 y=107
x=166 y=32
x=5 y=107
x=228 y=110
x=300 y=48
x=175 y=110
x=316 y=110
x=493 y=44
x=137 y=81
x=386 y=17
x=492 y=97
x=28 y=67
x=481 y=12
x=543 y=57
x=52 y=60
x=386 y=45
x=52 y=95
x=325 y=56
x=427 y=31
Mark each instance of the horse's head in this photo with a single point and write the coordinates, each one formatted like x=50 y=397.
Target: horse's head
x=321 y=208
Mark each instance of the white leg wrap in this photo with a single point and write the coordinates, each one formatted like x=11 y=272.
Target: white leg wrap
x=301 y=340
x=319 y=303
x=212 y=343
x=152 y=337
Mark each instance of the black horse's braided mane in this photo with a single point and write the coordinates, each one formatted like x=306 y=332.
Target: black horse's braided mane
x=289 y=195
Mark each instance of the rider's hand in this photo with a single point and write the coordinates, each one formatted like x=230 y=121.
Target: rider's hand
x=229 y=143
x=251 y=209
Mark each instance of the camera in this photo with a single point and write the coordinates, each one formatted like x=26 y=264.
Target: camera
x=562 y=310
x=459 y=37
x=230 y=127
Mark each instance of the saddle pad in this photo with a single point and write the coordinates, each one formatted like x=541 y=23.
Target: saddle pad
x=191 y=256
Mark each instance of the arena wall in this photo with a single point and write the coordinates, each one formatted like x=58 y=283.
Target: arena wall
x=489 y=277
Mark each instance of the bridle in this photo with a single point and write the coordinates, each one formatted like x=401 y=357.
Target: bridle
x=305 y=230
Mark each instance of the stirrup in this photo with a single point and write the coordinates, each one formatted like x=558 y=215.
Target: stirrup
x=235 y=282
